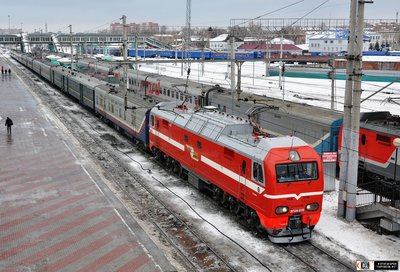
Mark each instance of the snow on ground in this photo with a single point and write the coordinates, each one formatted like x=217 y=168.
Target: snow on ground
x=351 y=239
x=303 y=90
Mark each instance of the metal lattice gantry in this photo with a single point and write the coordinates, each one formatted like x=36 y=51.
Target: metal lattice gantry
x=269 y=25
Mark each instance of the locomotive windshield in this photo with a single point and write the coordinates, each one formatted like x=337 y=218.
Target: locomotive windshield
x=296 y=172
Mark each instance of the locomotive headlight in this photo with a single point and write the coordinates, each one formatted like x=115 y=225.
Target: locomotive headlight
x=281 y=210
x=312 y=206
x=294 y=155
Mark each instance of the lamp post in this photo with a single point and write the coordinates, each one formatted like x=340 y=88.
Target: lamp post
x=396 y=143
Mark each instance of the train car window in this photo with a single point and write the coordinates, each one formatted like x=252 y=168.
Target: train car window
x=199 y=145
x=304 y=171
x=258 y=172
x=383 y=139
x=152 y=120
x=363 y=139
x=244 y=167
x=185 y=138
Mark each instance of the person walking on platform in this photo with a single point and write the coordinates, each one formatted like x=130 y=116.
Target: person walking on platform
x=9 y=71
x=8 y=123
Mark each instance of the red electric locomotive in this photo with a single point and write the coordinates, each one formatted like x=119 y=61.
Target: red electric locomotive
x=377 y=153
x=272 y=184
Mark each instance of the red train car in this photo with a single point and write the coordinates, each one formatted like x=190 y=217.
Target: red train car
x=272 y=184
x=377 y=152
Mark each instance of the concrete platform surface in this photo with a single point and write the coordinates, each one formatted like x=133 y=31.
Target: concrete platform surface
x=53 y=216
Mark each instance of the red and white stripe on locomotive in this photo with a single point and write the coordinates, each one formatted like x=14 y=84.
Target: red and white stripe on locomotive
x=274 y=184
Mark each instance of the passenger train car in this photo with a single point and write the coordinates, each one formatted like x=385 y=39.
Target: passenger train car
x=273 y=184
x=218 y=55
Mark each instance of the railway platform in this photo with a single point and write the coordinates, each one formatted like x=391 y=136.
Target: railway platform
x=53 y=214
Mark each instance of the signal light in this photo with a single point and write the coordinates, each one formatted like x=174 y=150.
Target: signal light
x=294 y=155
x=281 y=210
x=312 y=207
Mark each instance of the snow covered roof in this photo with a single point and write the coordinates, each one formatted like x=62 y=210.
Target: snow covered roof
x=283 y=41
x=303 y=46
x=220 y=38
x=335 y=35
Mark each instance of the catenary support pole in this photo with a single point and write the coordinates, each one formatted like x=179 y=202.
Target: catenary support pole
x=233 y=83
x=125 y=56
x=352 y=172
x=344 y=156
x=72 y=51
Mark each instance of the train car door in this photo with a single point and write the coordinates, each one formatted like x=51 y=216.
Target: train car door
x=242 y=181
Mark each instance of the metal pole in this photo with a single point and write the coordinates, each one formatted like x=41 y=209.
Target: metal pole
x=352 y=173
x=70 y=37
x=280 y=65
x=233 y=83
x=348 y=100
x=392 y=202
x=333 y=88
x=125 y=56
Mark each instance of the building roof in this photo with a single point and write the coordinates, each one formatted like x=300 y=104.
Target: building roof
x=335 y=35
x=220 y=38
x=224 y=38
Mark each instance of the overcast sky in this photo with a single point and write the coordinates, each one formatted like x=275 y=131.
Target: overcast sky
x=90 y=15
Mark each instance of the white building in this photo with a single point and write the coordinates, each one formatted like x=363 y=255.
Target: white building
x=336 y=42
x=221 y=43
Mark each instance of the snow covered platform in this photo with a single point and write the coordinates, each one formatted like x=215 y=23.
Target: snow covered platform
x=55 y=215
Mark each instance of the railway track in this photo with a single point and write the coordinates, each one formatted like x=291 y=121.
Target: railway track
x=311 y=255
x=191 y=248
x=152 y=209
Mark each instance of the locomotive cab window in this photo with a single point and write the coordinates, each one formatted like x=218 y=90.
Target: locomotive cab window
x=296 y=172
x=258 y=174
x=152 y=120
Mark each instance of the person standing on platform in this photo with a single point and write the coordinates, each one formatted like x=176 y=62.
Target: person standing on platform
x=2 y=70
x=8 y=123
x=9 y=71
